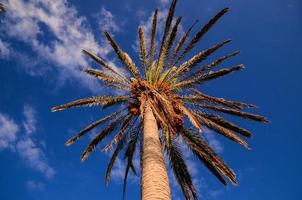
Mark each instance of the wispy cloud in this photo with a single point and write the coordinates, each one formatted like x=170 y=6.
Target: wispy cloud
x=23 y=143
x=4 y=49
x=8 y=132
x=210 y=137
x=107 y=22
x=35 y=185
x=34 y=157
x=30 y=121
x=56 y=34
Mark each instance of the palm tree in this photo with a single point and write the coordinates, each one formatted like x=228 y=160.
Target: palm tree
x=162 y=107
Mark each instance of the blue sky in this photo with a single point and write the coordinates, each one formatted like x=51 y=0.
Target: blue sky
x=40 y=66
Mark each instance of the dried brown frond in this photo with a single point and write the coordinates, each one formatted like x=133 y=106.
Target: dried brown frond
x=191 y=117
x=92 y=101
x=238 y=113
x=210 y=99
x=226 y=124
x=220 y=129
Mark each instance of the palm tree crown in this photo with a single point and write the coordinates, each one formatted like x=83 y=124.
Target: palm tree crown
x=168 y=84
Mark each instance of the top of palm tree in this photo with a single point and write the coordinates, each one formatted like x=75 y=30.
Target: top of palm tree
x=168 y=81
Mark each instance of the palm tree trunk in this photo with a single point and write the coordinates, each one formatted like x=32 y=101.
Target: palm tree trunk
x=154 y=180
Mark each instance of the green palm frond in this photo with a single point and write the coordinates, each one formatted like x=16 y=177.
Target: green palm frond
x=143 y=49
x=152 y=39
x=186 y=66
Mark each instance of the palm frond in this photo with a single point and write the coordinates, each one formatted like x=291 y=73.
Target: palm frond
x=143 y=49
x=226 y=124
x=126 y=126
x=152 y=39
x=102 y=62
x=231 y=104
x=123 y=56
x=181 y=42
x=181 y=172
x=201 y=33
x=238 y=113
x=207 y=77
x=220 y=129
x=217 y=62
x=167 y=46
x=92 y=126
x=192 y=118
x=186 y=66
x=108 y=79
x=167 y=25
x=206 y=155
x=92 y=101
x=115 y=154
x=129 y=153
x=100 y=136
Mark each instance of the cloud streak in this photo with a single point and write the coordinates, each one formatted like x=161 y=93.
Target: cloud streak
x=23 y=144
x=56 y=34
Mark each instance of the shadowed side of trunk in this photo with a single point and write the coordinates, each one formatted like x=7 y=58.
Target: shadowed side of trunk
x=154 y=180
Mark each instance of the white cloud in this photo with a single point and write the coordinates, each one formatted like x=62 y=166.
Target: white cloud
x=23 y=144
x=107 y=22
x=4 y=49
x=8 y=132
x=35 y=185
x=30 y=121
x=34 y=157
x=212 y=141
x=55 y=32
